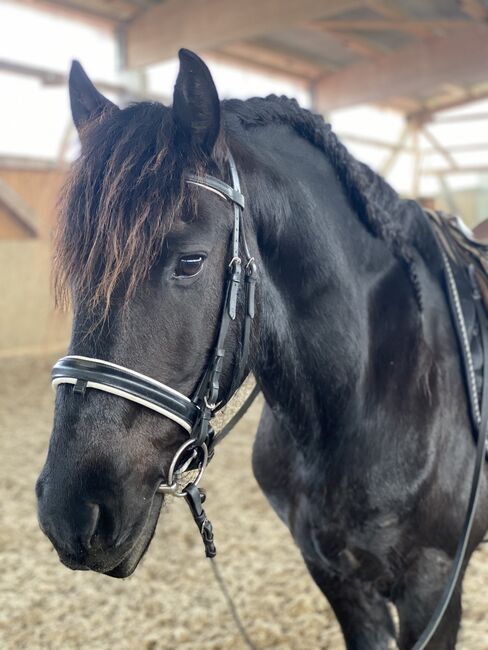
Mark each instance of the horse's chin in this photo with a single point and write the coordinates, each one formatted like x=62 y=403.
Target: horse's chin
x=130 y=562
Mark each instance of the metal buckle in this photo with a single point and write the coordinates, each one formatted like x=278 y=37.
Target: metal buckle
x=172 y=485
x=211 y=405
x=235 y=261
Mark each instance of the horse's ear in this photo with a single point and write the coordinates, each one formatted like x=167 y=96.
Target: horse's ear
x=196 y=106
x=86 y=101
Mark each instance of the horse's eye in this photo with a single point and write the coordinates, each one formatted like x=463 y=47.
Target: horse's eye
x=188 y=266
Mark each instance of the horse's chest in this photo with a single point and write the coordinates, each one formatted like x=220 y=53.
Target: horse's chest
x=334 y=526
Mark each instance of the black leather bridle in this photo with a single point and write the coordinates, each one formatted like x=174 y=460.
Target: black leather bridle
x=193 y=413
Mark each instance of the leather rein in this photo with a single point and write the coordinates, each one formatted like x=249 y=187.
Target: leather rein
x=193 y=414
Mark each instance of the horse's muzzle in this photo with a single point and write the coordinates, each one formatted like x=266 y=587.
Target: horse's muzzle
x=90 y=535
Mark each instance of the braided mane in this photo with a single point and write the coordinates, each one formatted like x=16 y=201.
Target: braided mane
x=379 y=207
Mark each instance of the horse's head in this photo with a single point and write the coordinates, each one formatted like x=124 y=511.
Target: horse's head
x=144 y=256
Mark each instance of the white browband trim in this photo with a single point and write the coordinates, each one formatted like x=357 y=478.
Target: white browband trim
x=132 y=372
x=210 y=189
x=121 y=393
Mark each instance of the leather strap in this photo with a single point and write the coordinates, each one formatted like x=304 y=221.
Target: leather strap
x=207 y=396
x=480 y=421
x=233 y=194
x=86 y=372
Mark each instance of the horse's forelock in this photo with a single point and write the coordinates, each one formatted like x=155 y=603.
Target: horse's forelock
x=117 y=205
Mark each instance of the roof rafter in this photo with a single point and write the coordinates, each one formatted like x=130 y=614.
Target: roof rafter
x=413 y=70
x=158 y=33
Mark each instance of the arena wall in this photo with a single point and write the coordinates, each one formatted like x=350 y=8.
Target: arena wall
x=29 y=324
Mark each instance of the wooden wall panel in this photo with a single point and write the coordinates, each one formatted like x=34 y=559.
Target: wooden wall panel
x=29 y=324
x=39 y=190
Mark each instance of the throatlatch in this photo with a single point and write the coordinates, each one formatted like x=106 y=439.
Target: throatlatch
x=192 y=414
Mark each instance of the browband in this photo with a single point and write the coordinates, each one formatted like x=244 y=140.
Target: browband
x=86 y=372
x=219 y=187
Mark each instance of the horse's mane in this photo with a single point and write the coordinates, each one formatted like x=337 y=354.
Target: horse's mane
x=385 y=214
x=123 y=192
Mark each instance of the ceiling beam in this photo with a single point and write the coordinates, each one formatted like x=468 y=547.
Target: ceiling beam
x=352 y=39
x=53 y=78
x=463 y=117
x=474 y=9
x=27 y=163
x=158 y=33
x=372 y=142
x=416 y=27
x=413 y=70
x=474 y=169
x=388 y=9
x=437 y=104
x=275 y=59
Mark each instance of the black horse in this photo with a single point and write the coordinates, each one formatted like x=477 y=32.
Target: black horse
x=364 y=447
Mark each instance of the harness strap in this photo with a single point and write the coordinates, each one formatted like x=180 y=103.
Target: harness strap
x=207 y=394
x=481 y=423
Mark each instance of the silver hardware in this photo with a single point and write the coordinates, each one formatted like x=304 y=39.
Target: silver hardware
x=235 y=260
x=172 y=486
x=211 y=405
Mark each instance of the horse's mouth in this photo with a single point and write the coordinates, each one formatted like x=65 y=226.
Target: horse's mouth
x=131 y=561
x=125 y=562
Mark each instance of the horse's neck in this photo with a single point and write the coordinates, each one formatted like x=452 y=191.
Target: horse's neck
x=324 y=278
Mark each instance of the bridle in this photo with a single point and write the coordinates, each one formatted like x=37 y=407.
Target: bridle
x=193 y=413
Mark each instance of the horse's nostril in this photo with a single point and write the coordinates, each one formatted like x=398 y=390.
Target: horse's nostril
x=100 y=531
x=91 y=525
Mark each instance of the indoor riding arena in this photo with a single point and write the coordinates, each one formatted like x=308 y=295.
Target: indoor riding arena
x=404 y=85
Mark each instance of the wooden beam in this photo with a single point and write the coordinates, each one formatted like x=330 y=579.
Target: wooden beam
x=473 y=169
x=439 y=148
x=462 y=148
x=275 y=59
x=30 y=164
x=54 y=78
x=388 y=8
x=447 y=194
x=372 y=142
x=474 y=9
x=436 y=104
x=417 y=27
x=417 y=163
x=465 y=117
x=18 y=208
x=413 y=70
x=405 y=105
x=390 y=161
x=353 y=41
x=158 y=33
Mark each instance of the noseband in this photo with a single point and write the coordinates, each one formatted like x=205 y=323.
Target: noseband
x=193 y=413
